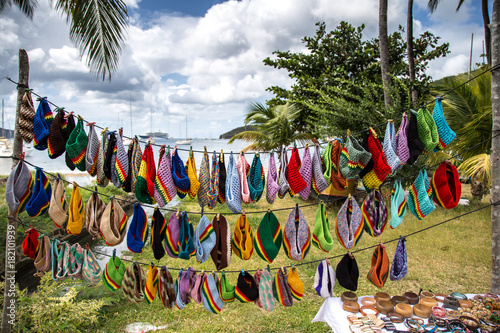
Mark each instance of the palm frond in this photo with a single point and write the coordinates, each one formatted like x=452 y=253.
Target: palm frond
x=477 y=167
x=27 y=7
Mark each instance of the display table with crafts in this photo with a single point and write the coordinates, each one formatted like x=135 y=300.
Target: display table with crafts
x=411 y=312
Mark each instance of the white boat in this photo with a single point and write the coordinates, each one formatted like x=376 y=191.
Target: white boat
x=155 y=134
x=187 y=141
x=7 y=145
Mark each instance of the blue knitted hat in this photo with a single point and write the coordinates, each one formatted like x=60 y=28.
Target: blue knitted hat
x=390 y=146
x=138 y=230
x=178 y=300
x=211 y=298
x=41 y=124
x=186 y=241
x=399 y=267
x=446 y=134
x=398 y=205
x=233 y=196
x=256 y=179
x=420 y=197
x=204 y=239
x=179 y=175
x=40 y=198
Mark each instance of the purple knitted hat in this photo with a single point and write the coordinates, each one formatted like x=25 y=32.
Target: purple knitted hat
x=272 y=180
x=165 y=189
x=306 y=173
x=172 y=235
x=402 y=150
x=297 y=236
x=399 y=267
x=186 y=283
x=319 y=183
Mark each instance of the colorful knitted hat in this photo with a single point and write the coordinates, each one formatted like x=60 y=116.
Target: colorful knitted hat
x=93 y=215
x=26 y=117
x=186 y=241
x=165 y=189
x=213 y=192
x=226 y=289
x=222 y=180
x=93 y=147
x=243 y=238
x=43 y=260
x=204 y=239
x=390 y=147
x=76 y=146
x=112 y=276
x=166 y=289
x=415 y=145
x=256 y=179
x=30 y=243
x=138 y=230
x=152 y=281
x=211 y=299
x=338 y=181
x=402 y=149
x=295 y=283
x=326 y=157
x=321 y=237
x=102 y=180
x=58 y=208
x=246 y=288
x=272 y=180
x=134 y=283
x=399 y=267
x=194 y=184
x=172 y=235
x=221 y=253
x=347 y=272
x=420 y=196
x=283 y=175
x=353 y=158
x=76 y=212
x=370 y=164
x=256 y=277
x=319 y=183
x=91 y=271
x=295 y=180
x=281 y=289
x=75 y=261
x=120 y=170
x=181 y=179
x=349 y=226
x=186 y=284
x=297 y=236
x=56 y=141
x=158 y=231
x=446 y=186
x=266 y=297
x=268 y=237
x=135 y=162
x=39 y=201
x=381 y=169
x=197 y=290
x=18 y=187
x=379 y=270
x=41 y=124
x=62 y=261
x=55 y=248
x=374 y=213
x=127 y=186
x=306 y=173
x=204 y=178
x=108 y=155
x=427 y=129
x=145 y=186
x=113 y=223
x=233 y=196
x=324 y=279
x=398 y=204
x=178 y=300
x=446 y=134
x=243 y=171
x=70 y=126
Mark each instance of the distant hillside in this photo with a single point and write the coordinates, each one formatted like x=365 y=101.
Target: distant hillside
x=233 y=132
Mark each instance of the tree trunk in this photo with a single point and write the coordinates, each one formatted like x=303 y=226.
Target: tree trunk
x=9 y=301
x=384 y=51
x=495 y=151
x=411 y=57
x=487 y=32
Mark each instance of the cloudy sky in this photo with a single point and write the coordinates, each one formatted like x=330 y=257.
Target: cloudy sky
x=202 y=58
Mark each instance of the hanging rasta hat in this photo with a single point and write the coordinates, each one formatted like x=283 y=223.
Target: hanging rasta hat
x=266 y=297
x=57 y=141
x=221 y=253
x=92 y=151
x=297 y=236
x=127 y=186
x=145 y=185
x=186 y=283
x=26 y=116
x=135 y=163
x=295 y=283
x=379 y=270
x=108 y=155
x=374 y=213
x=113 y=223
x=41 y=124
x=43 y=260
x=58 y=208
x=324 y=279
x=415 y=145
x=390 y=147
x=204 y=239
x=172 y=235
x=138 y=230
x=30 y=243
x=18 y=187
x=398 y=204
x=347 y=272
x=158 y=231
x=321 y=237
x=76 y=216
x=268 y=237
x=420 y=196
x=120 y=167
x=194 y=184
x=281 y=289
x=446 y=134
x=213 y=192
x=76 y=146
x=93 y=214
x=75 y=261
x=222 y=179
x=353 y=158
x=381 y=169
x=226 y=289
x=134 y=283
x=233 y=196
x=306 y=173
x=283 y=175
x=91 y=271
x=112 y=276
x=243 y=238
x=246 y=288
x=102 y=180
x=349 y=226
x=295 y=180
x=446 y=186
x=336 y=178
x=256 y=179
x=166 y=289
x=179 y=175
x=243 y=171
x=427 y=130
x=152 y=281
x=272 y=180
x=165 y=189
x=39 y=201
x=319 y=183
x=402 y=149
x=186 y=241
x=211 y=299
x=399 y=267
x=204 y=179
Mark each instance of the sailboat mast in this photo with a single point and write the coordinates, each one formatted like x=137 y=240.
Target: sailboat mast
x=186 y=127
x=3 y=125
x=151 y=119
x=131 y=130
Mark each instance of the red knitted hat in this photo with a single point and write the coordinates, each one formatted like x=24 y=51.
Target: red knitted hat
x=381 y=169
x=446 y=186
x=295 y=180
x=338 y=181
x=30 y=243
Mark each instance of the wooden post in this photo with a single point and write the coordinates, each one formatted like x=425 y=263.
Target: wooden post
x=384 y=52
x=9 y=301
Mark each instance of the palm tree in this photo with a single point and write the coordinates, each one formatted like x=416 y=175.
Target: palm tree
x=97 y=29
x=409 y=48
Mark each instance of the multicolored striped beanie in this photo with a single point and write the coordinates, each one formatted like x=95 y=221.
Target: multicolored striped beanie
x=256 y=179
x=319 y=183
x=41 y=124
x=30 y=243
x=152 y=282
x=138 y=230
x=222 y=179
x=58 y=208
x=213 y=192
x=221 y=253
x=226 y=289
x=102 y=180
x=76 y=146
x=38 y=203
x=18 y=187
x=113 y=223
x=402 y=149
x=26 y=116
x=194 y=184
x=353 y=158
x=181 y=179
x=134 y=283
x=166 y=289
x=211 y=299
x=324 y=279
x=268 y=237
x=420 y=196
x=399 y=267
x=76 y=212
x=93 y=215
x=349 y=224
x=390 y=147
x=204 y=239
x=374 y=213
x=283 y=175
x=145 y=185
x=398 y=204
x=243 y=171
x=306 y=173
x=233 y=196
x=295 y=283
x=158 y=231
x=347 y=272
x=92 y=151
x=186 y=241
x=321 y=237
x=108 y=155
x=295 y=180
x=415 y=145
x=427 y=130
x=62 y=261
x=379 y=270
x=204 y=178
x=172 y=235
x=446 y=134
x=297 y=235
x=272 y=180
x=43 y=257
x=243 y=238
x=381 y=169
x=75 y=261
x=56 y=142
x=247 y=289
x=120 y=168
x=165 y=189
x=281 y=289
x=446 y=186
x=91 y=271
x=112 y=276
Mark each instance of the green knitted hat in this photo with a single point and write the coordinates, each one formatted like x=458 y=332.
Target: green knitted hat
x=268 y=238
x=226 y=289
x=427 y=129
x=353 y=158
x=76 y=147
x=322 y=238
x=113 y=273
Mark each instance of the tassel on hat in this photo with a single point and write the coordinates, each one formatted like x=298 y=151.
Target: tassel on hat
x=204 y=239
x=297 y=236
x=194 y=184
x=112 y=276
x=93 y=147
x=18 y=187
x=158 y=231
x=91 y=271
x=272 y=180
x=349 y=226
x=243 y=238
x=138 y=230
x=256 y=179
x=336 y=178
x=281 y=289
x=134 y=283
x=58 y=208
x=402 y=149
x=427 y=130
x=353 y=158
x=226 y=289
x=172 y=235
x=446 y=134
x=152 y=281
x=375 y=177
x=398 y=204
x=390 y=147
x=145 y=186
x=222 y=180
x=62 y=261
x=415 y=145
x=113 y=223
x=420 y=196
x=26 y=117
x=379 y=270
x=179 y=175
x=56 y=141
x=233 y=196
x=197 y=290
x=186 y=241
x=399 y=267
x=39 y=201
x=446 y=186
x=43 y=260
x=204 y=179
x=30 y=243
x=76 y=216
x=165 y=189
x=283 y=175
x=374 y=213
x=211 y=299
x=76 y=146
x=296 y=285
x=120 y=169
x=70 y=126
x=319 y=183
x=75 y=261
x=108 y=155
x=41 y=124
x=306 y=173
x=246 y=288
x=166 y=289
x=347 y=272
x=93 y=215
x=321 y=237
x=243 y=171
x=268 y=237
x=102 y=180
x=295 y=180
x=213 y=192
x=324 y=279
x=221 y=253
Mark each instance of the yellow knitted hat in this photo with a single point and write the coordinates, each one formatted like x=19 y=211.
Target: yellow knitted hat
x=193 y=177
x=295 y=283
x=76 y=217
x=151 y=284
x=243 y=238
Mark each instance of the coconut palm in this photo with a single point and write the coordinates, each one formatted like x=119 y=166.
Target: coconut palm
x=97 y=29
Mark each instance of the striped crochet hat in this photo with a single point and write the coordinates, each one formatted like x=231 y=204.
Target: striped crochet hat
x=420 y=196
x=326 y=157
x=266 y=297
x=120 y=167
x=197 y=289
x=152 y=281
x=402 y=149
x=43 y=260
x=158 y=231
x=58 y=208
x=91 y=271
x=93 y=215
x=165 y=189
x=18 y=187
x=166 y=289
x=41 y=124
x=390 y=147
x=30 y=243
x=321 y=237
x=135 y=163
x=127 y=186
x=246 y=288
x=281 y=289
x=222 y=180
x=172 y=235
x=233 y=196
x=243 y=238
x=138 y=230
x=108 y=155
x=204 y=239
x=398 y=204
x=353 y=158
x=186 y=241
x=268 y=237
x=272 y=180
x=379 y=270
x=347 y=272
x=70 y=126
x=92 y=151
x=349 y=226
x=75 y=261
x=446 y=134
x=213 y=192
x=381 y=169
x=283 y=175
x=145 y=186
x=26 y=116
x=297 y=236
x=226 y=289
x=427 y=130
x=56 y=141
x=295 y=283
x=180 y=176
x=446 y=186
x=55 y=247
x=76 y=216
x=204 y=178
x=76 y=146
x=256 y=179
x=295 y=180
x=243 y=171
x=324 y=279
x=221 y=253
x=306 y=173
x=113 y=223
x=338 y=181
x=399 y=267
x=62 y=261
x=211 y=299
x=374 y=213
x=319 y=183
x=38 y=203
x=415 y=145
x=134 y=283
x=113 y=273
x=194 y=184
x=102 y=180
